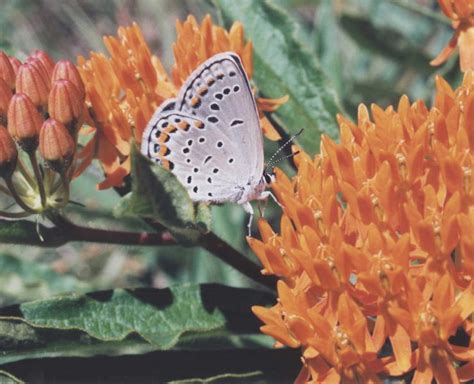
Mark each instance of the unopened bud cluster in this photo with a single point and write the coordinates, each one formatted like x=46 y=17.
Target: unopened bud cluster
x=41 y=111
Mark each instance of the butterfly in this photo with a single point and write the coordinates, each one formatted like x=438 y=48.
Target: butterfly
x=210 y=137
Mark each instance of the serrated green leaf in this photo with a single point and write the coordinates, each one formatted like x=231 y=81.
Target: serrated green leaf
x=157 y=194
x=283 y=66
x=160 y=316
x=20 y=340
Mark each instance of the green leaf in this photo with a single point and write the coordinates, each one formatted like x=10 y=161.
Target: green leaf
x=157 y=194
x=20 y=340
x=284 y=66
x=162 y=317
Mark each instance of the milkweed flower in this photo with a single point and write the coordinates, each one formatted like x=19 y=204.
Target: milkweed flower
x=124 y=90
x=461 y=13
x=41 y=110
x=375 y=247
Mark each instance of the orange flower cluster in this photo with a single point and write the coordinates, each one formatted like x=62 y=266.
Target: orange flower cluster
x=461 y=13
x=41 y=108
x=376 y=246
x=124 y=90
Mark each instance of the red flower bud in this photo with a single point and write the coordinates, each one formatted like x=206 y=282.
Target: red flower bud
x=15 y=63
x=56 y=145
x=41 y=69
x=8 y=153
x=65 y=103
x=7 y=72
x=5 y=97
x=64 y=69
x=46 y=62
x=24 y=121
x=32 y=82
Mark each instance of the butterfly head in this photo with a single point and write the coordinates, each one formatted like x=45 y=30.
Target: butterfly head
x=267 y=178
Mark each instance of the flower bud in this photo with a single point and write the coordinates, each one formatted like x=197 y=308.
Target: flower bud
x=56 y=145
x=64 y=69
x=7 y=72
x=46 y=62
x=5 y=97
x=65 y=103
x=41 y=69
x=31 y=82
x=24 y=122
x=8 y=153
x=15 y=63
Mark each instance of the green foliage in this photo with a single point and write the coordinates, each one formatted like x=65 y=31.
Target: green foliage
x=157 y=194
x=284 y=66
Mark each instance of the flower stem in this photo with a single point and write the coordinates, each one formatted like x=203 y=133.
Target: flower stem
x=5 y=190
x=39 y=179
x=229 y=255
x=17 y=197
x=14 y=215
x=73 y=232
x=25 y=172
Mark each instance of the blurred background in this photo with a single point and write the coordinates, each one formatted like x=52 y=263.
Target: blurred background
x=372 y=51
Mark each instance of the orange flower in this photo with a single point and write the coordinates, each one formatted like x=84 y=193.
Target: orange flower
x=375 y=245
x=124 y=90
x=461 y=13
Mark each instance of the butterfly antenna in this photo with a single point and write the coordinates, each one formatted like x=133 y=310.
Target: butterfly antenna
x=272 y=162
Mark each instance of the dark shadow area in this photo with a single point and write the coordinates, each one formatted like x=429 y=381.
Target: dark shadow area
x=102 y=296
x=235 y=304
x=269 y=366
x=159 y=298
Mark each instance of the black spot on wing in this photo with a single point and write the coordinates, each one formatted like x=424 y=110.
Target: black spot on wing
x=236 y=122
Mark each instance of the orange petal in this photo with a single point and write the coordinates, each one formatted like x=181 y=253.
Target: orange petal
x=447 y=51
x=269 y=130
x=271 y=105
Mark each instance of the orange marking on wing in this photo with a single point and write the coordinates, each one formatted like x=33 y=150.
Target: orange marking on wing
x=210 y=81
x=202 y=91
x=170 y=129
x=164 y=137
x=199 y=124
x=163 y=151
x=183 y=125
x=195 y=101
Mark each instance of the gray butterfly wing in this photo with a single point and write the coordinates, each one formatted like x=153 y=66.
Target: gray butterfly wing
x=202 y=158
x=218 y=92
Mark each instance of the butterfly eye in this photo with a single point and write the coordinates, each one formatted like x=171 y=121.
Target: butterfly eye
x=268 y=178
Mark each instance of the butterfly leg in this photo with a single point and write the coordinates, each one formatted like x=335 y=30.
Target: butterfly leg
x=265 y=195
x=248 y=208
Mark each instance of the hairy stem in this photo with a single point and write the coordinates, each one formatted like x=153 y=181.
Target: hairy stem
x=72 y=232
